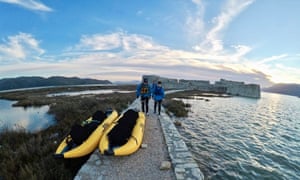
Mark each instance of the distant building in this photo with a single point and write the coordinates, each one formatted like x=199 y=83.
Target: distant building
x=239 y=88
x=223 y=86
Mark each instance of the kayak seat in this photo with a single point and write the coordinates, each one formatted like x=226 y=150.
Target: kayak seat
x=80 y=133
x=120 y=134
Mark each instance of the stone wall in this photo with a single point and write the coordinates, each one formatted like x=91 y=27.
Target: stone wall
x=223 y=86
x=239 y=88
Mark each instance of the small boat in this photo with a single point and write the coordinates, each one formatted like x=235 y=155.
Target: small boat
x=125 y=134
x=84 y=139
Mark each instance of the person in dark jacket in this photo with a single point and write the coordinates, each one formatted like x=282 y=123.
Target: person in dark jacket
x=144 y=90
x=158 y=95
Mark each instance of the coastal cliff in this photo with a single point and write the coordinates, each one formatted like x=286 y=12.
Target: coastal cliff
x=223 y=86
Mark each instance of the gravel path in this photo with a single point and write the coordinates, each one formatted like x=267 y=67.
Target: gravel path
x=143 y=164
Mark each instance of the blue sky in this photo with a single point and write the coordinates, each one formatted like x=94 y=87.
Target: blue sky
x=243 y=40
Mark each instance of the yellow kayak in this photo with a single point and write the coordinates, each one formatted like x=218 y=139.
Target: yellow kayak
x=125 y=134
x=76 y=144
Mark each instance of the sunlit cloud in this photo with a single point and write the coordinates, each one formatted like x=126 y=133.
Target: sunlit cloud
x=20 y=47
x=277 y=72
x=97 y=42
x=29 y=4
x=280 y=74
x=142 y=54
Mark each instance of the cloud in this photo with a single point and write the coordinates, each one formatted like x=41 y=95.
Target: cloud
x=20 y=47
x=231 y=9
x=138 y=54
x=272 y=58
x=122 y=56
x=98 y=42
x=113 y=41
x=212 y=39
x=195 y=26
x=139 y=13
x=278 y=72
x=29 y=4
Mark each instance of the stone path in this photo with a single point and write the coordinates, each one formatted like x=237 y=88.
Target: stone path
x=163 y=144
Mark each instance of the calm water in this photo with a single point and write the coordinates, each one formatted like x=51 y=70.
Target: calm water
x=35 y=119
x=76 y=93
x=242 y=138
x=31 y=119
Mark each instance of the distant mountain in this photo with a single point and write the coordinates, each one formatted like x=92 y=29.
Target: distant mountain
x=289 y=89
x=29 y=82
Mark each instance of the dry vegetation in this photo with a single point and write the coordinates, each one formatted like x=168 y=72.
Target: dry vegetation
x=26 y=155
x=178 y=108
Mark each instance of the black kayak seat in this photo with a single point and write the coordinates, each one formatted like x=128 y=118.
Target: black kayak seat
x=121 y=132
x=80 y=133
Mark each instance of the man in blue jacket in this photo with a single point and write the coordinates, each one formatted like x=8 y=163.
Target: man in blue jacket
x=144 y=90
x=158 y=94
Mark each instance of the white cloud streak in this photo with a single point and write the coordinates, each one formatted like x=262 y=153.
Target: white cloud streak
x=29 y=4
x=273 y=58
x=212 y=40
x=194 y=21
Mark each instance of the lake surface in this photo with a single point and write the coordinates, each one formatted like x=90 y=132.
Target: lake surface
x=31 y=119
x=34 y=119
x=76 y=93
x=242 y=138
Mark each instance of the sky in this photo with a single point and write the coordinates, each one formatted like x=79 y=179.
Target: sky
x=254 y=41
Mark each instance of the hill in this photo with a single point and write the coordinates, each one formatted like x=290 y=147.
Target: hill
x=288 y=89
x=29 y=82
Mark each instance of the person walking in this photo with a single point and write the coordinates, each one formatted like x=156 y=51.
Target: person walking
x=144 y=90
x=158 y=94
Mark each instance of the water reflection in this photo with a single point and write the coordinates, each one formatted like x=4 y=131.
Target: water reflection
x=31 y=119
x=242 y=138
x=102 y=91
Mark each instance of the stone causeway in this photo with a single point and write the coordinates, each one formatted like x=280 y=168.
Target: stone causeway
x=184 y=165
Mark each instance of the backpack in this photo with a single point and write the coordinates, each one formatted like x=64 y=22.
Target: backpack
x=145 y=89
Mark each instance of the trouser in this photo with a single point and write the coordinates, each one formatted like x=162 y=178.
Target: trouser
x=145 y=104
x=159 y=106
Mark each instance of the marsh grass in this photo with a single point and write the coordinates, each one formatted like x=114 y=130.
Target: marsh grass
x=175 y=106
x=25 y=155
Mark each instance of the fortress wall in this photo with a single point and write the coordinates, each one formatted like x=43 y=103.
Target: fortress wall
x=240 y=88
x=223 y=86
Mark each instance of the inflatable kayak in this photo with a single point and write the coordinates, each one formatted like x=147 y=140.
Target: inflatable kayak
x=125 y=134
x=84 y=139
